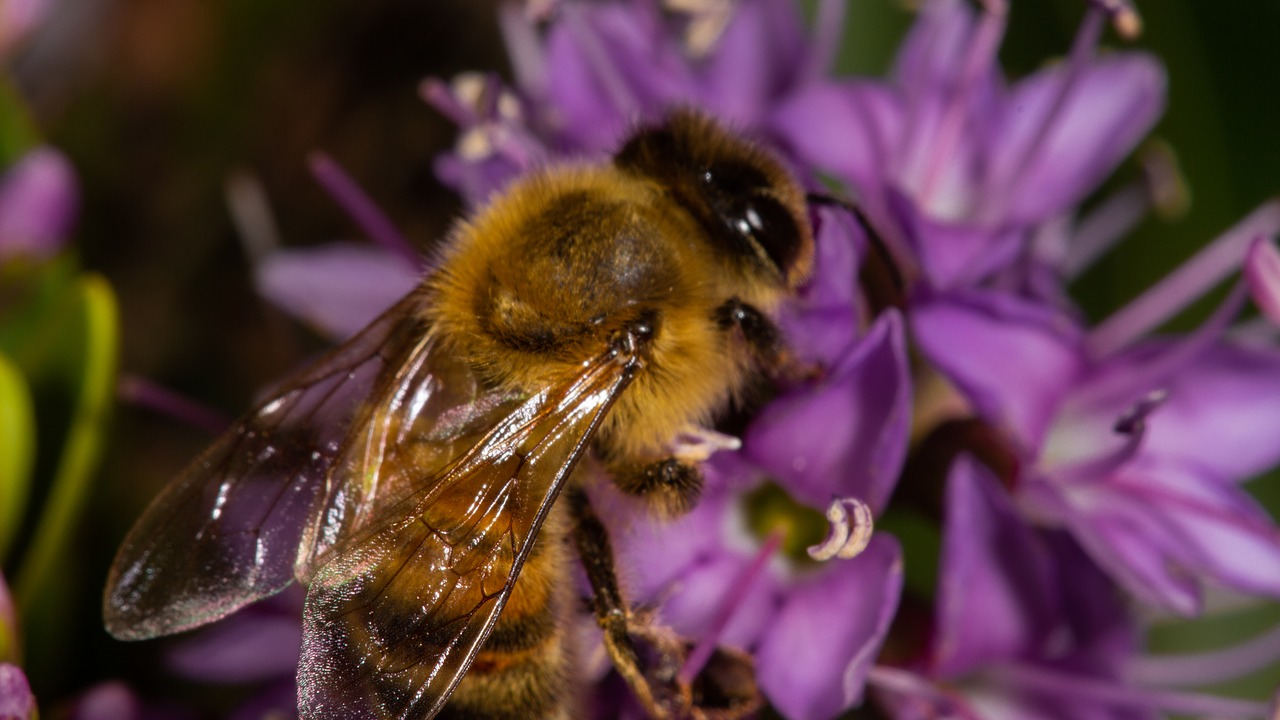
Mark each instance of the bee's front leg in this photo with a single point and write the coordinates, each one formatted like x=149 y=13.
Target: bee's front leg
x=610 y=608
x=652 y=658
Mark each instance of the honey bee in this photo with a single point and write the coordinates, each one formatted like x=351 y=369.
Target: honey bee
x=409 y=478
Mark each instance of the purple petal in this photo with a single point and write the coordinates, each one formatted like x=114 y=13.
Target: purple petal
x=337 y=288
x=934 y=50
x=1113 y=104
x=247 y=647
x=702 y=593
x=846 y=435
x=476 y=180
x=609 y=65
x=1013 y=360
x=851 y=131
x=755 y=61
x=16 y=700
x=814 y=657
x=822 y=324
x=39 y=197
x=658 y=552
x=996 y=596
x=1219 y=415
x=1162 y=530
x=955 y=254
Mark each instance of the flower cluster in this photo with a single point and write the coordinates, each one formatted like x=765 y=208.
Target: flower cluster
x=1056 y=472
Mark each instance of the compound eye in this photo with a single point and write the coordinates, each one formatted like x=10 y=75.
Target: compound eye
x=766 y=222
x=740 y=196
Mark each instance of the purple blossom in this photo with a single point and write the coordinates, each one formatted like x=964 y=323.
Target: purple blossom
x=16 y=700
x=833 y=615
x=1138 y=452
x=38 y=203
x=955 y=167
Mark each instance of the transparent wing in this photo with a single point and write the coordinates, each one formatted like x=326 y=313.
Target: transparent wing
x=227 y=530
x=393 y=621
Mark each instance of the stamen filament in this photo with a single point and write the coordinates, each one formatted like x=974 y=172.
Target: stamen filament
x=1132 y=424
x=982 y=52
x=615 y=87
x=251 y=215
x=140 y=391
x=1191 y=280
x=828 y=31
x=360 y=207
x=904 y=682
x=439 y=95
x=1115 y=694
x=1096 y=233
x=521 y=39
x=1086 y=41
x=1204 y=668
x=732 y=600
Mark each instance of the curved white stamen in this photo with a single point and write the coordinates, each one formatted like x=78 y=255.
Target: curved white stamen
x=850 y=531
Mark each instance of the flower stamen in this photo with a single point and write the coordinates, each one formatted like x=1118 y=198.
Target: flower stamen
x=140 y=391
x=984 y=43
x=361 y=208
x=850 y=530
x=1185 y=284
x=729 y=604
x=1204 y=668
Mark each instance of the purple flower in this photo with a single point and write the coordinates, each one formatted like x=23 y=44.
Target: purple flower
x=604 y=67
x=38 y=202
x=1137 y=447
x=814 y=629
x=1024 y=623
x=16 y=700
x=954 y=167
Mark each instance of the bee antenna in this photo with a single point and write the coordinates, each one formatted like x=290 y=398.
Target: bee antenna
x=882 y=276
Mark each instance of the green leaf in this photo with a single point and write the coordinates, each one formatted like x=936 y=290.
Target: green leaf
x=18 y=132
x=89 y=347
x=17 y=450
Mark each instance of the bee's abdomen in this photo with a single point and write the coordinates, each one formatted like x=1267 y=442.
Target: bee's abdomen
x=523 y=670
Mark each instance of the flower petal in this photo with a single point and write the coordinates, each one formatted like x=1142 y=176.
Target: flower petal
x=337 y=288
x=1113 y=104
x=813 y=660
x=996 y=595
x=846 y=435
x=954 y=254
x=1014 y=360
x=756 y=59
x=16 y=700
x=39 y=197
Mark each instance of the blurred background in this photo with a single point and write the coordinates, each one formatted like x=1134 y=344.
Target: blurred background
x=158 y=102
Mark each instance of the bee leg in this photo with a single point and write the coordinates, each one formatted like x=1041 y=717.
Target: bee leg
x=672 y=485
x=763 y=338
x=610 y=608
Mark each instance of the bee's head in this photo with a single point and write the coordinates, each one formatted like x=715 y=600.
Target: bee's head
x=750 y=207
